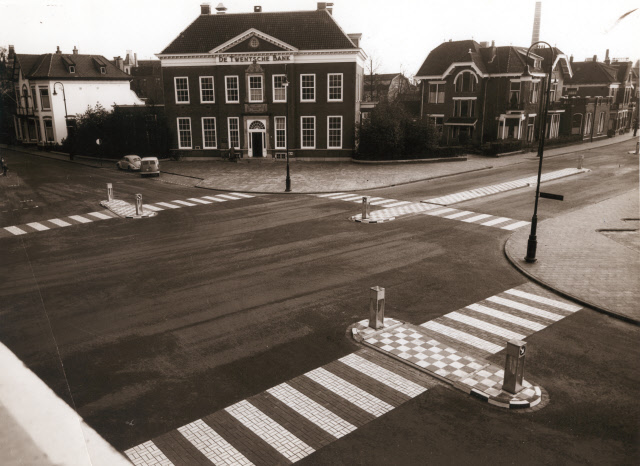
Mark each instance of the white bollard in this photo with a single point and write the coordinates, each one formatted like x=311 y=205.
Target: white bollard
x=376 y=307
x=139 y=210
x=580 y=161
x=109 y=192
x=365 y=207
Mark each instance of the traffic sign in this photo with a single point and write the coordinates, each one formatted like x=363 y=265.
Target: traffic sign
x=557 y=197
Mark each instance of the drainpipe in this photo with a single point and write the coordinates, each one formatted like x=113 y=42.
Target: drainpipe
x=484 y=113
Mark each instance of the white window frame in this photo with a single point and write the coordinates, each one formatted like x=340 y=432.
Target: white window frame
x=46 y=89
x=329 y=146
x=215 y=133
x=601 y=123
x=457 y=105
x=438 y=85
x=534 y=92
x=34 y=97
x=229 y=119
x=276 y=130
x=213 y=91
x=517 y=91
x=329 y=99
x=180 y=146
x=302 y=99
x=44 y=124
x=284 y=88
x=251 y=99
x=227 y=89
x=72 y=69
x=461 y=76
x=302 y=146
x=175 y=86
x=588 y=124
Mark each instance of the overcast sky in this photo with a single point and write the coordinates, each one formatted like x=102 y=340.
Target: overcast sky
x=400 y=33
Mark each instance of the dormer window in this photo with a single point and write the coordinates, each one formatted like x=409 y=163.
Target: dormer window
x=103 y=70
x=72 y=69
x=69 y=64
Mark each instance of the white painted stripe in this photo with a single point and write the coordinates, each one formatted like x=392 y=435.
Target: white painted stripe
x=80 y=219
x=462 y=336
x=441 y=211
x=287 y=444
x=396 y=204
x=482 y=325
x=352 y=198
x=327 y=194
x=214 y=199
x=374 y=199
x=147 y=454
x=15 y=230
x=100 y=215
x=211 y=444
x=226 y=196
x=495 y=221
x=459 y=214
x=390 y=379
x=199 y=201
x=151 y=207
x=190 y=204
x=476 y=218
x=543 y=300
x=60 y=223
x=513 y=226
x=383 y=201
x=349 y=392
x=241 y=195
x=507 y=317
x=524 y=308
x=166 y=204
x=38 y=226
x=340 y=196
x=311 y=410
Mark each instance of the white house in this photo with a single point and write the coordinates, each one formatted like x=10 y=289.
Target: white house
x=52 y=88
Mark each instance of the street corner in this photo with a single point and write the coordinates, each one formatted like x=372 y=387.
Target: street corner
x=125 y=210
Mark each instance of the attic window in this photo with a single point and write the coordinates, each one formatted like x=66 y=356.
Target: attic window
x=72 y=69
x=103 y=70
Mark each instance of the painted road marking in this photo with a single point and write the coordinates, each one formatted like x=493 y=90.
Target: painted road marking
x=458 y=214
x=524 y=308
x=482 y=325
x=513 y=226
x=495 y=221
x=15 y=230
x=214 y=447
x=462 y=336
x=200 y=201
x=80 y=219
x=147 y=454
x=60 y=223
x=475 y=218
x=543 y=300
x=100 y=215
x=227 y=196
x=242 y=195
x=151 y=207
x=214 y=199
x=166 y=204
x=38 y=226
x=507 y=317
x=188 y=204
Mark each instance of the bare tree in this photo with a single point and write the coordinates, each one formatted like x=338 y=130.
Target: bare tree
x=372 y=65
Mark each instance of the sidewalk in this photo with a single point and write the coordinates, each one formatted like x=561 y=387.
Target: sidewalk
x=591 y=255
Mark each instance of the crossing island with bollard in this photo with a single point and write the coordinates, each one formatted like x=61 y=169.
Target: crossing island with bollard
x=124 y=209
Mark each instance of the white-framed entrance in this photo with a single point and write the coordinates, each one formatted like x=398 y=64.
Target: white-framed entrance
x=257 y=137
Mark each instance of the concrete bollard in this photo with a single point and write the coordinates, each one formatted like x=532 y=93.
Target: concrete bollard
x=514 y=366
x=109 y=192
x=365 y=207
x=139 y=210
x=580 y=161
x=376 y=307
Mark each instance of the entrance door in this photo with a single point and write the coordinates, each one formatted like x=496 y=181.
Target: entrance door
x=256 y=144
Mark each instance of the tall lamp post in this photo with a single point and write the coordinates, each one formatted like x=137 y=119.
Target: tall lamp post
x=285 y=84
x=66 y=115
x=532 y=244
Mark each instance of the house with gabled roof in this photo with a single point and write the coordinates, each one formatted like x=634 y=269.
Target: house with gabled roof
x=476 y=92
x=51 y=88
x=266 y=84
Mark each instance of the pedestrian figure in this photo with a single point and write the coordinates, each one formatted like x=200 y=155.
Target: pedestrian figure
x=635 y=127
x=4 y=166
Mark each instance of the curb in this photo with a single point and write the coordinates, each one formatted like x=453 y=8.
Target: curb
x=368 y=220
x=385 y=162
x=564 y=294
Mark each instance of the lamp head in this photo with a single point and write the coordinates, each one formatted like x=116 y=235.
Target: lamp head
x=54 y=91
x=526 y=75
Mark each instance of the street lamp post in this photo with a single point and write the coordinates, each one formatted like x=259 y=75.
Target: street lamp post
x=66 y=115
x=287 y=188
x=532 y=243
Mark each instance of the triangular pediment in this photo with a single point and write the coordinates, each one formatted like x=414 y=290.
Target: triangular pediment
x=253 y=40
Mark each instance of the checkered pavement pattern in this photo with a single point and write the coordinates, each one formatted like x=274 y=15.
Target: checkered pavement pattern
x=489 y=381
x=124 y=209
x=502 y=187
x=357 y=198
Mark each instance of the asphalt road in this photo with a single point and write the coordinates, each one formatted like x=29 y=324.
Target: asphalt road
x=160 y=321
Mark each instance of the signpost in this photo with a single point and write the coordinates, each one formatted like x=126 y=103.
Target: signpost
x=557 y=197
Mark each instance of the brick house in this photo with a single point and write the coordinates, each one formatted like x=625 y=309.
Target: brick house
x=476 y=92
x=146 y=77
x=265 y=84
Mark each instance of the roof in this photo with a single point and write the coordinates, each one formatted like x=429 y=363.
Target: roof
x=592 y=72
x=505 y=59
x=55 y=66
x=304 y=30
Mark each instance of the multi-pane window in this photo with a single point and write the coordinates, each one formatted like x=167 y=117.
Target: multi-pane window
x=308 y=87
x=308 y=132
x=234 y=132
x=438 y=122
x=334 y=132
x=206 y=89
x=232 y=89
x=587 y=125
x=465 y=82
x=184 y=133
x=34 y=97
x=514 y=92
x=531 y=128
x=601 y=123
x=182 y=90
x=552 y=92
x=534 y=91
x=44 y=98
x=281 y=132
x=209 y=133
x=554 y=126
x=436 y=93
x=335 y=87
x=279 y=88
x=464 y=108
x=48 y=129
x=255 y=89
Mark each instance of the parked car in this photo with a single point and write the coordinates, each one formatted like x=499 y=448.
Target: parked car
x=129 y=162
x=150 y=166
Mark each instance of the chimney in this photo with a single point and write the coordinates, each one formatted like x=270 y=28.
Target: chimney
x=571 y=59
x=322 y=6
x=606 y=58
x=205 y=9
x=12 y=51
x=119 y=62
x=535 y=37
x=257 y=9
x=58 y=52
x=330 y=8
x=484 y=45
x=355 y=38
x=221 y=9
x=135 y=60
x=75 y=50
x=595 y=58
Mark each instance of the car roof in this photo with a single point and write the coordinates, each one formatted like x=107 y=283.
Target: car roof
x=150 y=158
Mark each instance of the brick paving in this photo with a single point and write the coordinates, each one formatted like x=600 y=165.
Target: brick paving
x=577 y=260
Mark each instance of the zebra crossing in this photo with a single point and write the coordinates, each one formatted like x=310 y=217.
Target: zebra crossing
x=357 y=198
x=502 y=187
x=115 y=212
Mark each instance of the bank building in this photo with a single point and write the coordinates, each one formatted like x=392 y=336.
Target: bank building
x=265 y=84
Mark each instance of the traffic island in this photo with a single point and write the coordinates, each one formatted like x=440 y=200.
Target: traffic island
x=124 y=209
